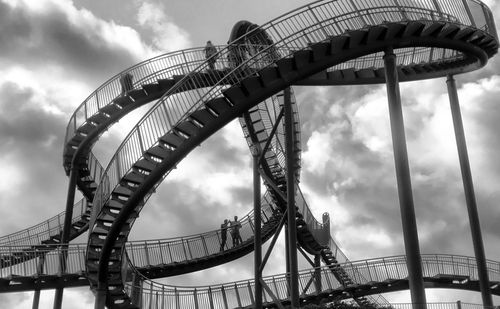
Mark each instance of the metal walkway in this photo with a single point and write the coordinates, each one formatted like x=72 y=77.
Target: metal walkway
x=328 y=42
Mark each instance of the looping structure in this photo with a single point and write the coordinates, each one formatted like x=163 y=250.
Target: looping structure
x=328 y=42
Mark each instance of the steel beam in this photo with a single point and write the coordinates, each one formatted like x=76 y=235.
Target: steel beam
x=408 y=219
x=36 y=299
x=100 y=296
x=68 y=218
x=257 y=210
x=470 y=197
x=317 y=273
x=290 y=192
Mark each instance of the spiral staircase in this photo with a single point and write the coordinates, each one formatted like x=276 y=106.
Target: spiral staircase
x=328 y=42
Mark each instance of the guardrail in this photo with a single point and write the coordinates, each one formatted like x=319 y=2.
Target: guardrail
x=43 y=231
x=293 y=31
x=182 y=249
x=149 y=71
x=43 y=260
x=240 y=293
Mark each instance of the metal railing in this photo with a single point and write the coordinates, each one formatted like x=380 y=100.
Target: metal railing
x=240 y=293
x=149 y=71
x=265 y=114
x=182 y=249
x=405 y=57
x=45 y=230
x=293 y=31
x=44 y=260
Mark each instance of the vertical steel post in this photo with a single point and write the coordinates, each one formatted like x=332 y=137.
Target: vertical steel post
x=39 y=271
x=257 y=209
x=290 y=193
x=100 y=296
x=36 y=299
x=317 y=273
x=470 y=198
x=68 y=216
x=408 y=219
x=287 y=258
x=136 y=292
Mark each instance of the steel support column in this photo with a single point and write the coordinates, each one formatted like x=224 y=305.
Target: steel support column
x=36 y=299
x=257 y=210
x=68 y=216
x=100 y=297
x=290 y=192
x=409 y=223
x=470 y=198
x=317 y=273
x=136 y=291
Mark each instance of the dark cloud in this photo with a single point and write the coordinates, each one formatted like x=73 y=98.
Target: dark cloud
x=23 y=119
x=31 y=141
x=39 y=40
x=312 y=108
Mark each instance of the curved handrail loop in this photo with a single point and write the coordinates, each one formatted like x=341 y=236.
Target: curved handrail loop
x=316 y=40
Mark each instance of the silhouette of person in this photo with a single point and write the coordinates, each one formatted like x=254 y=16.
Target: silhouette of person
x=210 y=51
x=126 y=81
x=235 y=231
x=223 y=234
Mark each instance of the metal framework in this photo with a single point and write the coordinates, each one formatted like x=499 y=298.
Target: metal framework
x=328 y=42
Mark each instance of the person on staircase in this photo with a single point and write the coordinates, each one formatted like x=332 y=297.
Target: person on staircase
x=210 y=52
x=235 y=231
x=126 y=81
x=223 y=234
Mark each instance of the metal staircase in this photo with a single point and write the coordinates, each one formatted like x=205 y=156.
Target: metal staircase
x=327 y=42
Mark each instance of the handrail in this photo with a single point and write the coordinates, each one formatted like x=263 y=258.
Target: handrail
x=185 y=248
x=290 y=33
x=375 y=269
x=267 y=114
x=238 y=293
x=38 y=233
x=42 y=260
x=35 y=234
x=147 y=70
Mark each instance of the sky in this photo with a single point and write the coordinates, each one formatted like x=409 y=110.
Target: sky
x=54 y=53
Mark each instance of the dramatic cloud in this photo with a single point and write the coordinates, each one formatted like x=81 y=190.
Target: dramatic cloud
x=53 y=55
x=166 y=35
x=55 y=34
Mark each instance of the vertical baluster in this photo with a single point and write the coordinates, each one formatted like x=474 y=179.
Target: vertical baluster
x=210 y=298
x=196 y=306
x=204 y=244
x=176 y=296
x=151 y=295
x=224 y=298
x=238 y=298
x=184 y=249
x=170 y=252
x=252 y=299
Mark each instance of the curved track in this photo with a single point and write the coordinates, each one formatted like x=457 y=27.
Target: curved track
x=328 y=42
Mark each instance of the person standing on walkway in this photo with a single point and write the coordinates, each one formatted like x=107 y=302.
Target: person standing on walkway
x=235 y=231
x=210 y=51
x=223 y=234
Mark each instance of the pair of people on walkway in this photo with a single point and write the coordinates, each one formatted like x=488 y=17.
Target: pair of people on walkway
x=234 y=227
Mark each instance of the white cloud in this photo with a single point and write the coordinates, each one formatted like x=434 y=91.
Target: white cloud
x=318 y=152
x=167 y=36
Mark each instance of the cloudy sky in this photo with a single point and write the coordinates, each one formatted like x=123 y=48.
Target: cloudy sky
x=54 y=53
